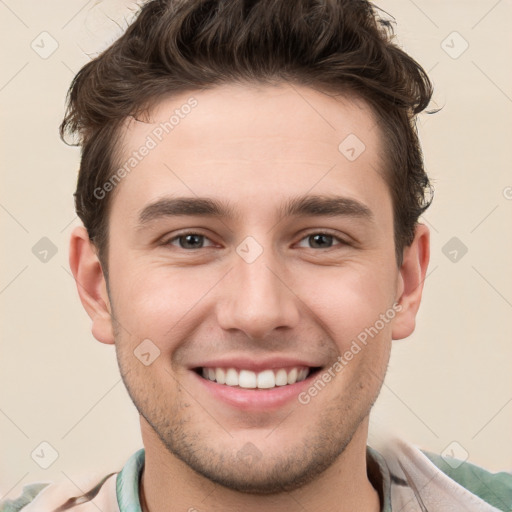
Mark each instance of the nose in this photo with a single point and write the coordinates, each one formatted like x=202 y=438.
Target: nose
x=256 y=299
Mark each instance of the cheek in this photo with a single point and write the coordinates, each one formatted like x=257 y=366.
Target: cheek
x=157 y=302
x=350 y=302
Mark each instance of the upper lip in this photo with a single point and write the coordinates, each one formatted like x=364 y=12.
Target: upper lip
x=256 y=365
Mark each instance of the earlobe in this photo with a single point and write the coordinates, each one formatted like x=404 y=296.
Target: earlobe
x=91 y=284
x=411 y=277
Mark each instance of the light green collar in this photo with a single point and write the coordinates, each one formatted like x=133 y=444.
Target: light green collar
x=127 y=483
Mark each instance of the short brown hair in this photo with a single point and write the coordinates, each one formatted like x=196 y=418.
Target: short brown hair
x=175 y=46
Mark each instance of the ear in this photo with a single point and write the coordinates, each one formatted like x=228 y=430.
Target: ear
x=91 y=284
x=410 y=286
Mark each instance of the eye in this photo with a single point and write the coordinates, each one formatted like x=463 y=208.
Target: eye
x=321 y=240
x=189 y=241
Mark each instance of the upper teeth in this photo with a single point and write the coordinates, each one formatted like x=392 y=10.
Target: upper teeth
x=249 y=379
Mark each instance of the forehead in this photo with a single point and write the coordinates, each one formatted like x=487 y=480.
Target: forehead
x=250 y=142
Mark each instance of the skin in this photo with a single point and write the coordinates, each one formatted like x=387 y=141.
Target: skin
x=254 y=147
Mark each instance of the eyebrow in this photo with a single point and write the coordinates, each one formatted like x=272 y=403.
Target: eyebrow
x=301 y=206
x=195 y=206
x=325 y=206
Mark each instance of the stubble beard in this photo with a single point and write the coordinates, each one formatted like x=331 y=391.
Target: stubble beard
x=191 y=440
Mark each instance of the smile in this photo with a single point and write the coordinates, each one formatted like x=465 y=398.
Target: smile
x=248 y=379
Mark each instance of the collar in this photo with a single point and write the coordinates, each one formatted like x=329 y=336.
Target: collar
x=127 y=483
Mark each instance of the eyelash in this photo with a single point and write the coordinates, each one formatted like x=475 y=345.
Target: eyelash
x=340 y=241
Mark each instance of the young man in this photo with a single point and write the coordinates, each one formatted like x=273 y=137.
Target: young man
x=250 y=187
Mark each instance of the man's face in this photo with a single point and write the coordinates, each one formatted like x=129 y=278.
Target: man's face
x=257 y=288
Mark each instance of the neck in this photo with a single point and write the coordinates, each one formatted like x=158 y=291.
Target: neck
x=169 y=484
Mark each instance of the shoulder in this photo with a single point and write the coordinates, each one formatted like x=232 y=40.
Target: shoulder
x=433 y=482
x=494 y=488
x=88 y=493
x=99 y=493
x=28 y=493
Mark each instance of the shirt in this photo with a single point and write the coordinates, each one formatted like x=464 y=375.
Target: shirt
x=406 y=478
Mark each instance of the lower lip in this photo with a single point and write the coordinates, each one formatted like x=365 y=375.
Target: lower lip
x=255 y=399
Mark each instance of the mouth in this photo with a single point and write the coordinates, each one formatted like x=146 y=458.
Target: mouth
x=265 y=379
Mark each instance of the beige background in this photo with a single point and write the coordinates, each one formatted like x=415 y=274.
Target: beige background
x=451 y=381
